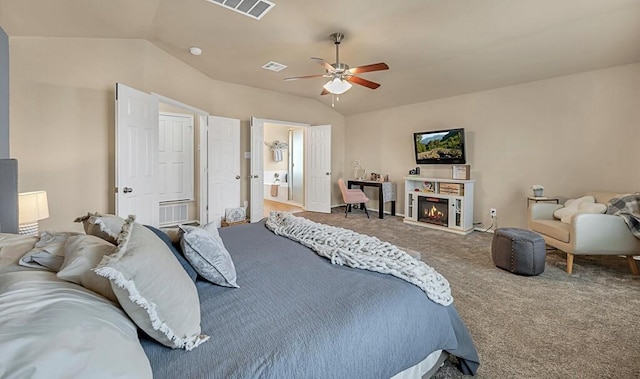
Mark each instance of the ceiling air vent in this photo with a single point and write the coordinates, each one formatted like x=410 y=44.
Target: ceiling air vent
x=274 y=66
x=251 y=8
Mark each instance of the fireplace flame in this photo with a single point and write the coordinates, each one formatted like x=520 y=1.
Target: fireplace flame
x=433 y=213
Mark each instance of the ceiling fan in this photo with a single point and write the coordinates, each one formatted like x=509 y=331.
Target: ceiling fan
x=340 y=75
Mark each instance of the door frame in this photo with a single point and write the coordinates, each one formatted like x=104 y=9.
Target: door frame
x=260 y=155
x=202 y=148
x=306 y=127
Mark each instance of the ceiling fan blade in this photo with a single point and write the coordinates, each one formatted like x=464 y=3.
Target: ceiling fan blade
x=362 y=82
x=304 y=77
x=368 y=68
x=324 y=92
x=324 y=63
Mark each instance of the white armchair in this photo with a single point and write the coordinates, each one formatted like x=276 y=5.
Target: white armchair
x=586 y=234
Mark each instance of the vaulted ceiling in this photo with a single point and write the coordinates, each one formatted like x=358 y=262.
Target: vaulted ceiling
x=435 y=48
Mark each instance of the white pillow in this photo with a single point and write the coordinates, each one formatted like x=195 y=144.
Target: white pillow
x=153 y=288
x=584 y=208
x=235 y=214
x=56 y=329
x=572 y=205
x=48 y=252
x=83 y=253
x=206 y=252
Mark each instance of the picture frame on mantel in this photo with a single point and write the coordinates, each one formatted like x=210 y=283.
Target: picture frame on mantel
x=462 y=172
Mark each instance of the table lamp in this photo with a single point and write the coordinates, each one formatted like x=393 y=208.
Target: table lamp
x=32 y=207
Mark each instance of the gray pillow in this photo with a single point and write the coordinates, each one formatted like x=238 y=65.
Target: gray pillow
x=204 y=249
x=153 y=288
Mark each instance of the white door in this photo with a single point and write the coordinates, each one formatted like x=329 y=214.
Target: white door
x=136 y=155
x=257 y=169
x=318 y=172
x=175 y=158
x=223 y=166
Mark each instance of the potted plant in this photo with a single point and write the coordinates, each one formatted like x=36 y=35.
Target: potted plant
x=537 y=190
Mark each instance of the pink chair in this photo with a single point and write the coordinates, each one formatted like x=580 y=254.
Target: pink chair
x=352 y=196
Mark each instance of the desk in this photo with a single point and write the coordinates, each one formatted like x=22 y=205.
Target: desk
x=543 y=198
x=386 y=192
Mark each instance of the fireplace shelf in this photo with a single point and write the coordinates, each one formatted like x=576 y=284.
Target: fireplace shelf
x=438 y=203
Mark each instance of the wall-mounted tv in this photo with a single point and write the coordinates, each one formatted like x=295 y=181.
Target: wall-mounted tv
x=440 y=147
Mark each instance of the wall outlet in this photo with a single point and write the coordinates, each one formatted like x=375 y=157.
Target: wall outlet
x=493 y=212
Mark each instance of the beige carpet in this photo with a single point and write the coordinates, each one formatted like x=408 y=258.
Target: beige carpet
x=586 y=325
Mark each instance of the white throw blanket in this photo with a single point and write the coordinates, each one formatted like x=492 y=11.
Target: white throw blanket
x=346 y=247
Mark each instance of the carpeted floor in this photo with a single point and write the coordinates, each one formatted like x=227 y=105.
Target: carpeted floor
x=586 y=325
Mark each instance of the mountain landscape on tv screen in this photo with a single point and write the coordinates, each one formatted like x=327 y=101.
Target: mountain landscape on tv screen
x=438 y=146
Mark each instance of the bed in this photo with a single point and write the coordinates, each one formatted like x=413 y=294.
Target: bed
x=293 y=314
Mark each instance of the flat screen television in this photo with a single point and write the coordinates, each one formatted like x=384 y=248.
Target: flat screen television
x=440 y=147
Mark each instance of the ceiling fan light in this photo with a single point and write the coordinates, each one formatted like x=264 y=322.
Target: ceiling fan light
x=337 y=86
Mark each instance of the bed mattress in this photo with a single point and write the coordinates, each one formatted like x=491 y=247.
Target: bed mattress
x=296 y=315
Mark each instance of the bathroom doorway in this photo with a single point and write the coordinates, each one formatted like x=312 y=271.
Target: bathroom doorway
x=283 y=168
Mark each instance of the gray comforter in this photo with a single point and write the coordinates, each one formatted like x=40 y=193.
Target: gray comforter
x=296 y=315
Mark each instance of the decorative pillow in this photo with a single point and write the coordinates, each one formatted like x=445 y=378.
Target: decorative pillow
x=203 y=247
x=572 y=205
x=183 y=262
x=104 y=226
x=153 y=288
x=235 y=214
x=48 y=252
x=584 y=208
x=175 y=234
x=83 y=253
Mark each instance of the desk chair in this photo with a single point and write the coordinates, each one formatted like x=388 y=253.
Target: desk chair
x=352 y=196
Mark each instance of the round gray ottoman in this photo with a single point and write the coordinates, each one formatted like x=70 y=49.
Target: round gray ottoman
x=518 y=251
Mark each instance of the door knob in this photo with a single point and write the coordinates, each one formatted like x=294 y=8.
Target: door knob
x=328 y=173
x=127 y=190
x=237 y=176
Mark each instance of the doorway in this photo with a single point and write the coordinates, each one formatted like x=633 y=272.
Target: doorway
x=138 y=167
x=283 y=168
x=317 y=166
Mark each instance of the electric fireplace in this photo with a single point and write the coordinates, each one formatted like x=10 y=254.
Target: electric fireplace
x=433 y=210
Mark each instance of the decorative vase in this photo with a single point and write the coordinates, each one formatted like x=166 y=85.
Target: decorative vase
x=537 y=192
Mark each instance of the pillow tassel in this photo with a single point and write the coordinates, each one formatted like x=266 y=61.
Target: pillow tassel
x=116 y=277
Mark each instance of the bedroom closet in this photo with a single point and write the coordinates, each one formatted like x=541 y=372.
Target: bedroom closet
x=174 y=163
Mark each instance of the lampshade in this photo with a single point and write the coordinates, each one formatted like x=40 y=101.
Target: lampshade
x=32 y=206
x=337 y=86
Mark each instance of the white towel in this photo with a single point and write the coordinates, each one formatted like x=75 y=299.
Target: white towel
x=277 y=155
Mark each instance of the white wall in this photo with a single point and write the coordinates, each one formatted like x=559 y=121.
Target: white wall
x=273 y=132
x=571 y=134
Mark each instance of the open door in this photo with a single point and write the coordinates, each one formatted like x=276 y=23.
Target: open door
x=318 y=158
x=223 y=166
x=136 y=155
x=257 y=169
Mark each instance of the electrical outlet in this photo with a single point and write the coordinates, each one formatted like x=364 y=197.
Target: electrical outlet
x=493 y=212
